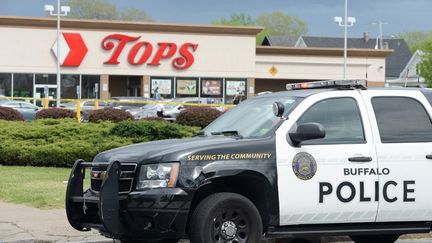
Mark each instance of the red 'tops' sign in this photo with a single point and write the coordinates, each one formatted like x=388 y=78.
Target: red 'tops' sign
x=72 y=49
x=164 y=50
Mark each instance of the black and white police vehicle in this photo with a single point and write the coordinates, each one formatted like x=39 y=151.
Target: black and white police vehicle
x=325 y=158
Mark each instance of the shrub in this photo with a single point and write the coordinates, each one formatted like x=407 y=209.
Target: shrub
x=109 y=114
x=55 y=113
x=143 y=130
x=59 y=142
x=153 y=118
x=199 y=116
x=10 y=114
x=54 y=142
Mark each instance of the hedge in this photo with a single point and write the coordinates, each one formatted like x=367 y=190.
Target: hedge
x=109 y=114
x=199 y=116
x=143 y=130
x=58 y=143
x=10 y=114
x=55 y=113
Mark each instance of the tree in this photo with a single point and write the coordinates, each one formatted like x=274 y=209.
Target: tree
x=425 y=66
x=134 y=14
x=276 y=23
x=103 y=10
x=415 y=39
x=236 y=20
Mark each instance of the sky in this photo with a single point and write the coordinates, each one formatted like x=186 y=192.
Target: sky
x=400 y=15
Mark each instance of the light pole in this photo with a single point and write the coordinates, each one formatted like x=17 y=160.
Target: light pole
x=61 y=12
x=348 y=22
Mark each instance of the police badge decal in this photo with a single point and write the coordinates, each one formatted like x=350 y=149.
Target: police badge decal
x=304 y=166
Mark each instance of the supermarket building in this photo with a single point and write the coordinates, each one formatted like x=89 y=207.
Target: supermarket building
x=103 y=59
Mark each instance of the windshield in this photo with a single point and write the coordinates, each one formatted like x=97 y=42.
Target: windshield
x=252 y=118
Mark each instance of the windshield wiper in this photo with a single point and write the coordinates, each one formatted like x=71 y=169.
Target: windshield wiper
x=228 y=133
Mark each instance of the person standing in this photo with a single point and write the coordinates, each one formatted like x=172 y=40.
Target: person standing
x=160 y=108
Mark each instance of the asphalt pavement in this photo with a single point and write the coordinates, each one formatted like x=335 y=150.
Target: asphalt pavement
x=23 y=224
x=20 y=223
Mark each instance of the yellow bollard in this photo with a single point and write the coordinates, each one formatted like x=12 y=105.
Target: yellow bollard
x=96 y=104
x=78 y=110
x=45 y=103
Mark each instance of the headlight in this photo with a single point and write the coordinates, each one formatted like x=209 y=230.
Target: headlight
x=158 y=175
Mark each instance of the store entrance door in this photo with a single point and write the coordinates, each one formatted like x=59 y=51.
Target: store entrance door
x=45 y=91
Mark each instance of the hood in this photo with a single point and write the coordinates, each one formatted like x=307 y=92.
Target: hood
x=165 y=150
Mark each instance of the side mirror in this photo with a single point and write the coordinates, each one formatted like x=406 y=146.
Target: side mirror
x=278 y=109
x=307 y=131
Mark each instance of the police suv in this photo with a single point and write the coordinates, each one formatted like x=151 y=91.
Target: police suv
x=324 y=158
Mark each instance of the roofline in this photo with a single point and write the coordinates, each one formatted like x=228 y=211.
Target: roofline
x=354 y=38
x=298 y=41
x=312 y=51
x=417 y=53
x=129 y=26
x=268 y=40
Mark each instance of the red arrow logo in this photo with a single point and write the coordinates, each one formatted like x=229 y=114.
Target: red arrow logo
x=72 y=49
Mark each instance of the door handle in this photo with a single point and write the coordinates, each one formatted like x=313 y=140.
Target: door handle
x=429 y=156
x=360 y=159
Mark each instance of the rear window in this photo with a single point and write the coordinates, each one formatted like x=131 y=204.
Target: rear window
x=402 y=120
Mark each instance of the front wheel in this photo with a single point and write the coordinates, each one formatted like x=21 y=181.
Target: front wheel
x=375 y=238
x=226 y=218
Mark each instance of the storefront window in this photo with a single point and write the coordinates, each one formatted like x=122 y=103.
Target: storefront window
x=235 y=91
x=69 y=86
x=23 y=85
x=212 y=89
x=161 y=87
x=46 y=79
x=90 y=86
x=186 y=87
x=5 y=84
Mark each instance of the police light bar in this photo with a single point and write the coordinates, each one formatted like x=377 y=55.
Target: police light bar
x=341 y=84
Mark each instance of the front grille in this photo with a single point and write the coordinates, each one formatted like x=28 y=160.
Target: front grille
x=126 y=178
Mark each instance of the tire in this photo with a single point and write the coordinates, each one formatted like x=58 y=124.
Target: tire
x=375 y=238
x=225 y=217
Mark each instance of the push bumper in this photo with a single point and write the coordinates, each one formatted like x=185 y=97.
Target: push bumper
x=151 y=214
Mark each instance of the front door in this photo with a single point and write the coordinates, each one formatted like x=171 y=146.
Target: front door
x=329 y=180
x=45 y=91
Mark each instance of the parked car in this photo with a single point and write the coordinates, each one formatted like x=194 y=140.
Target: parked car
x=172 y=109
x=127 y=103
x=27 y=109
x=170 y=112
x=86 y=107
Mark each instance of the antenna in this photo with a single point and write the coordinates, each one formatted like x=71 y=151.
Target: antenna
x=380 y=25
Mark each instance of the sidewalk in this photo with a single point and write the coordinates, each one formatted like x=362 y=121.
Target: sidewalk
x=24 y=224
x=20 y=223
